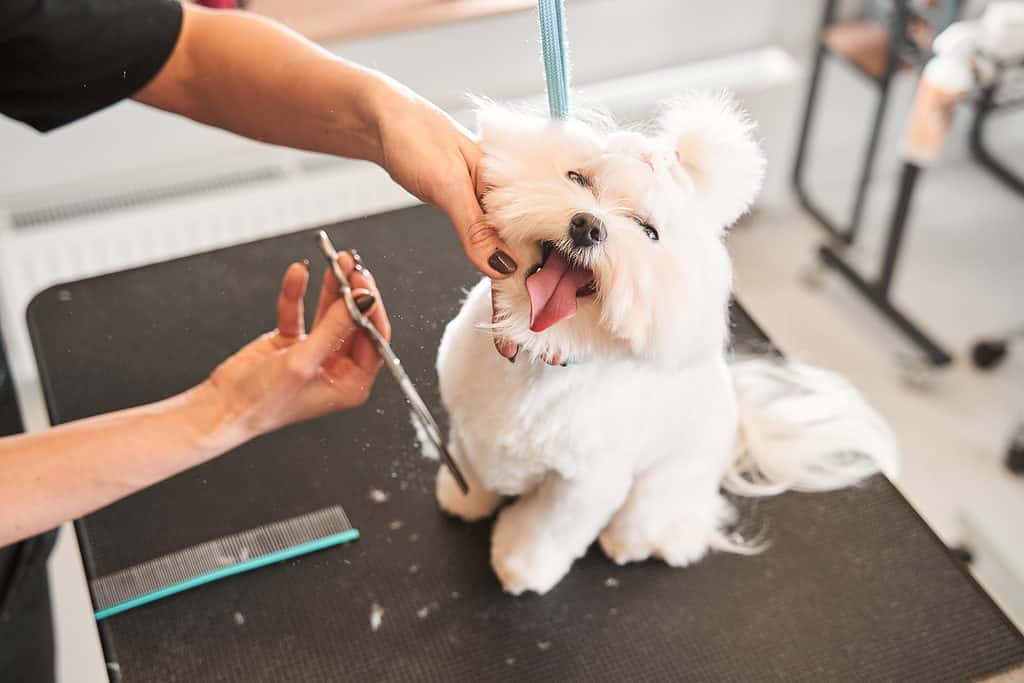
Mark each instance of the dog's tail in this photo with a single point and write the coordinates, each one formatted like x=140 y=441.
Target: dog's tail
x=805 y=429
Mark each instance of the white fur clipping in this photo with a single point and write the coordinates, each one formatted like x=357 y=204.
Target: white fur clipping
x=714 y=140
x=806 y=429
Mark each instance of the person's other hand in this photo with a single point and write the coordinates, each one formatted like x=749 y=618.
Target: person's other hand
x=286 y=376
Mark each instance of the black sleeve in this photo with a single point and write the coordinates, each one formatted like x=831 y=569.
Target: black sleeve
x=61 y=60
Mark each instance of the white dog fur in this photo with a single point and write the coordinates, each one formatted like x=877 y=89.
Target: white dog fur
x=632 y=442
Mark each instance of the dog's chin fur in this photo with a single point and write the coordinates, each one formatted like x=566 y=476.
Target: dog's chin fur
x=634 y=440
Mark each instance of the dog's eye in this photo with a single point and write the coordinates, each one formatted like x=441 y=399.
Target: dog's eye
x=578 y=179
x=649 y=230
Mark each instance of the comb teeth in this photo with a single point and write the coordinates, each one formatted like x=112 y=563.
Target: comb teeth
x=203 y=559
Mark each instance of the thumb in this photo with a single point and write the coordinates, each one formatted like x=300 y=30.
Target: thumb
x=335 y=328
x=484 y=248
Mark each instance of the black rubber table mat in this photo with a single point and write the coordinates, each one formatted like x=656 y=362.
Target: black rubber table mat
x=854 y=587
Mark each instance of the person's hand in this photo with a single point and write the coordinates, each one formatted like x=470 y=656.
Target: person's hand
x=286 y=376
x=437 y=160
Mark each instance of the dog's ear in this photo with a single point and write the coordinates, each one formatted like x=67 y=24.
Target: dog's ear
x=718 y=157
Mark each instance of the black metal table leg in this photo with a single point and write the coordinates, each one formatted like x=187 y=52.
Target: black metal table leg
x=982 y=109
x=1015 y=453
x=808 y=118
x=896 y=31
x=884 y=81
x=877 y=291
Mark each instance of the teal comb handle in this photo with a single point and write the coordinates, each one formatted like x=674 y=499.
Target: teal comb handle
x=230 y=570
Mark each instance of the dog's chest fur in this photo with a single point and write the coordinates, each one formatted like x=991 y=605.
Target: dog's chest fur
x=515 y=422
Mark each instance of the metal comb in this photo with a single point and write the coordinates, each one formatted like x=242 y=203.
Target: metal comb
x=219 y=559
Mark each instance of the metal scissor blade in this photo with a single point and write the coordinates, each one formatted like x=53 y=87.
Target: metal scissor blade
x=426 y=420
x=392 y=362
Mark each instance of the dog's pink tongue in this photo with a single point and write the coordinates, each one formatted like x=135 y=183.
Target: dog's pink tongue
x=552 y=291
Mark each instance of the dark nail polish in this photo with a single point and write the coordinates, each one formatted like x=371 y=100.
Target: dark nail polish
x=364 y=302
x=565 y=365
x=305 y=264
x=502 y=263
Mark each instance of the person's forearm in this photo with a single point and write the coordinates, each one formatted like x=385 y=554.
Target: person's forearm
x=259 y=79
x=72 y=470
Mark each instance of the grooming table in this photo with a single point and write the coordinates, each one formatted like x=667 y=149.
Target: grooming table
x=854 y=586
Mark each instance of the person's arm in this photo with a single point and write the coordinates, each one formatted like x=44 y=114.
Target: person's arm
x=259 y=79
x=285 y=376
x=49 y=477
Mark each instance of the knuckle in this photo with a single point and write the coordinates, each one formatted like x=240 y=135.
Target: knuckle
x=297 y=367
x=479 y=233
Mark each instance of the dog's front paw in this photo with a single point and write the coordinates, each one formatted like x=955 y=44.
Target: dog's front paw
x=475 y=505
x=524 y=560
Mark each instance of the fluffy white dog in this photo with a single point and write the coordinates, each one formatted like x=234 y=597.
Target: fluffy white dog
x=634 y=440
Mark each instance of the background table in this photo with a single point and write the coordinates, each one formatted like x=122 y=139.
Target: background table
x=854 y=586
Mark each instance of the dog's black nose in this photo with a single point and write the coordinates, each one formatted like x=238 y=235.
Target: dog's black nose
x=586 y=230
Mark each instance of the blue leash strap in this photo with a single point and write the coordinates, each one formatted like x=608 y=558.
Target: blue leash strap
x=556 y=62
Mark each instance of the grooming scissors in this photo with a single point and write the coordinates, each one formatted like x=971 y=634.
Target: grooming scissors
x=392 y=362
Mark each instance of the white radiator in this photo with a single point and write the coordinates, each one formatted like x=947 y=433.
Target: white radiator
x=114 y=223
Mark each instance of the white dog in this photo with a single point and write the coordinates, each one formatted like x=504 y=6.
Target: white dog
x=633 y=441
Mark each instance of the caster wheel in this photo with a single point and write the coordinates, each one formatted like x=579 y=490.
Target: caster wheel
x=988 y=354
x=962 y=553
x=1015 y=454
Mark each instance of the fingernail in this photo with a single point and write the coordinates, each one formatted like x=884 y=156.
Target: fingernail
x=364 y=302
x=502 y=263
x=305 y=264
x=357 y=259
x=512 y=358
x=565 y=364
